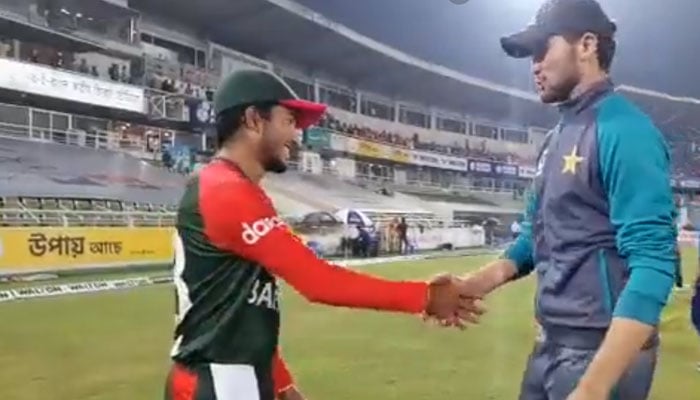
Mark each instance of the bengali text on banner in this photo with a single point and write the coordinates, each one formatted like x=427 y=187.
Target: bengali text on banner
x=48 y=249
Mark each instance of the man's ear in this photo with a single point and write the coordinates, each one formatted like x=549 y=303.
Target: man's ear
x=252 y=119
x=588 y=45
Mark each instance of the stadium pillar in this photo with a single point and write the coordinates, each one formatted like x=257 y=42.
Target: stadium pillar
x=317 y=91
x=433 y=118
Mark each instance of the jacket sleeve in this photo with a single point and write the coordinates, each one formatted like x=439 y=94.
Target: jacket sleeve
x=239 y=218
x=635 y=171
x=520 y=251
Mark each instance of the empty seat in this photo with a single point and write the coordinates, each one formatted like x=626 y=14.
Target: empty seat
x=120 y=220
x=83 y=205
x=146 y=207
x=103 y=220
x=99 y=205
x=67 y=204
x=31 y=203
x=50 y=220
x=49 y=204
x=90 y=219
x=114 y=205
x=12 y=203
x=73 y=219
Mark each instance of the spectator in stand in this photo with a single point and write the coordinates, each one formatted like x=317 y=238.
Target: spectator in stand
x=402 y=232
x=83 y=67
x=124 y=75
x=188 y=89
x=5 y=48
x=34 y=57
x=113 y=72
x=58 y=60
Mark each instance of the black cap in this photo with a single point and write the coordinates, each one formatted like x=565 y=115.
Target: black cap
x=558 y=17
x=250 y=86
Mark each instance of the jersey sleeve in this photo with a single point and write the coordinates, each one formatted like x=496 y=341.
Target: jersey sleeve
x=281 y=377
x=520 y=251
x=635 y=171
x=239 y=218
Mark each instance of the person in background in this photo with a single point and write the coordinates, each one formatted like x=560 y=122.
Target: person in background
x=113 y=72
x=167 y=159
x=364 y=241
x=58 y=60
x=5 y=48
x=515 y=228
x=124 y=75
x=83 y=67
x=34 y=57
x=695 y=308
x=679 y=261
x=393 y=235
x=402 y=233
x=93 y=71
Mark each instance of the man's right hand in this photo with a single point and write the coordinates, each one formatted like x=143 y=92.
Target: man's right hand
x=450 y=298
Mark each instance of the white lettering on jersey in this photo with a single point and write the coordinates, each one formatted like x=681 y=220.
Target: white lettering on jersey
x=266 y=296
x=252 y=233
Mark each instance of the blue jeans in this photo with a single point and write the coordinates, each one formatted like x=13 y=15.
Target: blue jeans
x=553 y=370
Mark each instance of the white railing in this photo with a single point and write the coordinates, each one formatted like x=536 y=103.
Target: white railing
x=29 y=216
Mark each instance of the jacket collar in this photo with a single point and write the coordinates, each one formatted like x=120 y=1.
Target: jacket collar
x=585 y=99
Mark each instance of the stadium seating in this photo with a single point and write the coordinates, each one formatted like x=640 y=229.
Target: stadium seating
x=51 y=211
x=329 y=192
x=49 y=170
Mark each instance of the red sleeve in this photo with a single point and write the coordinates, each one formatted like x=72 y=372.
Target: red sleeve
x=281 y=376
x=240 y=218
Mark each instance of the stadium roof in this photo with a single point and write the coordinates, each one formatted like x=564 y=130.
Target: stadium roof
x=286 y=30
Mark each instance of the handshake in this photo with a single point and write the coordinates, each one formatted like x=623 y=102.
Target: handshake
x=455 y=301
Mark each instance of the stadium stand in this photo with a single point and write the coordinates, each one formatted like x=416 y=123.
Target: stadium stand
x=116 y=180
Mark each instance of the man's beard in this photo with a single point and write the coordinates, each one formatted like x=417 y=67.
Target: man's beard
x=561 y=92
x=564 y=89
x=275 y=165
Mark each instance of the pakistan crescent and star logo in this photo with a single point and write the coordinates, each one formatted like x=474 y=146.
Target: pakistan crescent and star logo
x=571 y=161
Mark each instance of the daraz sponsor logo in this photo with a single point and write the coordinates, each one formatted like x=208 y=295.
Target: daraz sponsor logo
x=255 y=231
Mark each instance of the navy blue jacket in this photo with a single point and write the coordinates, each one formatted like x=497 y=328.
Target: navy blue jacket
x=598 y=227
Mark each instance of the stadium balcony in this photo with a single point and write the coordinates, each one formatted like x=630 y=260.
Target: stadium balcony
x=402 y=138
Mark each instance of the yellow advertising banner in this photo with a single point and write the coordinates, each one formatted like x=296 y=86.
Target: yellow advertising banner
x=369 y=149
x=382 y=151
x=49 y=249
x=399 y=155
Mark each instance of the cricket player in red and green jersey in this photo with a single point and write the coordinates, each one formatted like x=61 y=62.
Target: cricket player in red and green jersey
x=231 y=246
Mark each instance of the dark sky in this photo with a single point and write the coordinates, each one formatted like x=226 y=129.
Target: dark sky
x=658 y=41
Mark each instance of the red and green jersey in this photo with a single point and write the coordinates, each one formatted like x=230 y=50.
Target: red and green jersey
x=230 y=247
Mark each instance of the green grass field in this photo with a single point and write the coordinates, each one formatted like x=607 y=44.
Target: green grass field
x=114 y=346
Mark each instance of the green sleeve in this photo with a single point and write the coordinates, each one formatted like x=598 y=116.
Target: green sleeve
x=635 y=171
x=520 y=251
